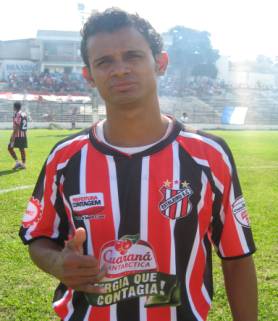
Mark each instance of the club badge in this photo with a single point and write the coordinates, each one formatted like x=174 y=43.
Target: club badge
x=175 y=203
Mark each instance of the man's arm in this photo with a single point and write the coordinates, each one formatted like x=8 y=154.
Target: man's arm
x=241 y=287
x=68 y=264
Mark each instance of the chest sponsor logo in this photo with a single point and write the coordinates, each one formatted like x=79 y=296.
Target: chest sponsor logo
x=33 y=213
x=87 y=204
x=132 y=271
x=122 y=257
x=240 y=212
x=175 y=203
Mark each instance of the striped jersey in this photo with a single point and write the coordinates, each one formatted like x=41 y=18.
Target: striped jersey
x=150 y=217
x=20 y=123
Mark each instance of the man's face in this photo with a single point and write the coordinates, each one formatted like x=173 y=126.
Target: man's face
x=122 y=66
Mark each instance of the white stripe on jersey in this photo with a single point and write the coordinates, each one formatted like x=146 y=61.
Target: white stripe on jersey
x=82 y=173
x=204 y=289
x=222 y=214
x=176 y=178
x=88 y=313
x=204 y=181
x=238 y=226
x=70 y=293
x=114 y=193
x=218 y=184
x=68 y=142
x=55 y=233
x=205 y=163
x=72 y=227
x=168 y=195
x=59 y=302
x=144 y=219
x=53 y=197
x=116 y=214
x=113 y=312
x=206 y=295
x=70 y=309
x=62 y=165
x=221 y=251
x=201 y=161
x=190 y=266
x=83 y=190
x=195 y=247
x=212 y=143
x=176 y=175
x=144 y=199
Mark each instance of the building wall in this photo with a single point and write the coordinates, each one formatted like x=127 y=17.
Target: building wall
x=26 y=49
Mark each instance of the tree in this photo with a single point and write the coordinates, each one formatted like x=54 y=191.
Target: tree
x=191 y=53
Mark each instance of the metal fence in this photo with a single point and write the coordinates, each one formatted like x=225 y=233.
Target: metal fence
x=200 y=111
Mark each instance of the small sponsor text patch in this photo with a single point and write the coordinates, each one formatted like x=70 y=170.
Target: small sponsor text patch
x=240 y=212
x=90 y=203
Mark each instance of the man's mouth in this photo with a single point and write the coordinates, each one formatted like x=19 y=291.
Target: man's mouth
x=123 y=86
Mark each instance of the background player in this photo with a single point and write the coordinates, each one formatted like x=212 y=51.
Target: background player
x=19 y=137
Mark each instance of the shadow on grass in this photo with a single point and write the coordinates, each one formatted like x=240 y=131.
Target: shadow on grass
x=8 y=172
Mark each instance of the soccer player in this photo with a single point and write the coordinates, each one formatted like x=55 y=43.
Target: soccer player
x=125 y=213
x=19 y=137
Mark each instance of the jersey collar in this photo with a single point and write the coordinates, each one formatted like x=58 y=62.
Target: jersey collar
x=108 y=150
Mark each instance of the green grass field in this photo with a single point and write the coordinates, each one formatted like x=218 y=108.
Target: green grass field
x=26 y=293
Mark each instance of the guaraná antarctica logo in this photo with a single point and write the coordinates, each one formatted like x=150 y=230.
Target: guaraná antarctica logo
x=132 y=271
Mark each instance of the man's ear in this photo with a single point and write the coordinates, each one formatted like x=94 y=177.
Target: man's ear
x=87 y=75
x=161 y=63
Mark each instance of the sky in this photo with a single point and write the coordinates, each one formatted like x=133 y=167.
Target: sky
x=240 y=29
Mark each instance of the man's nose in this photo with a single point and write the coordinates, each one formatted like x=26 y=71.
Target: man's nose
x=120 y=68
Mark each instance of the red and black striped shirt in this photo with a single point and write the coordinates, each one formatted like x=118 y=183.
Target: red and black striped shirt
x=180 y=197
x=20 y=124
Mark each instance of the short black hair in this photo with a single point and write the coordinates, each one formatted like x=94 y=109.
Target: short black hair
x=17 y=105
x=113 y=19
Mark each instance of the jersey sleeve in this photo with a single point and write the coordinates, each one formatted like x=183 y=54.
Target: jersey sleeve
x=231 y=231
x=46 y=215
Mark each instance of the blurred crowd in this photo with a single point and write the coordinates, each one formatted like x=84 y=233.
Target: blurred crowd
x=71 y=83
x=171 y=86
x=48 y=82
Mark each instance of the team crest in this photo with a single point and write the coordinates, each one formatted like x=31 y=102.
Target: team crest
x=175 y=203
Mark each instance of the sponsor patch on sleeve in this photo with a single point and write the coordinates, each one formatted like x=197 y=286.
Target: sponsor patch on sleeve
x=240 y=212
x=33 y=213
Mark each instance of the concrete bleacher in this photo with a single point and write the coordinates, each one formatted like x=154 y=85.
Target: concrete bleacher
x=262 y=105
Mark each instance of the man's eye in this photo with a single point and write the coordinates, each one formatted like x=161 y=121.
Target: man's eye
x=103 y=63
x=134 y=56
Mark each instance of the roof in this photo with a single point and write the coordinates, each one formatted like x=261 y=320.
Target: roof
x=58 y=35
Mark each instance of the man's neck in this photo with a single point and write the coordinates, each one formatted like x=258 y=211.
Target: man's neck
x=132 y=127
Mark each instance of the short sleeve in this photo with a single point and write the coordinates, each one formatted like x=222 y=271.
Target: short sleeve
x=231 y=230
x=45 y=215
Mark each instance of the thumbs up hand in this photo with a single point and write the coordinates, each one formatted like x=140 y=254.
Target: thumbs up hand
x=76 y=243
x=75 y=270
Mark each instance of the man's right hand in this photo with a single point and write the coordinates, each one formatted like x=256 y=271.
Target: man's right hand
x=74 y=269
